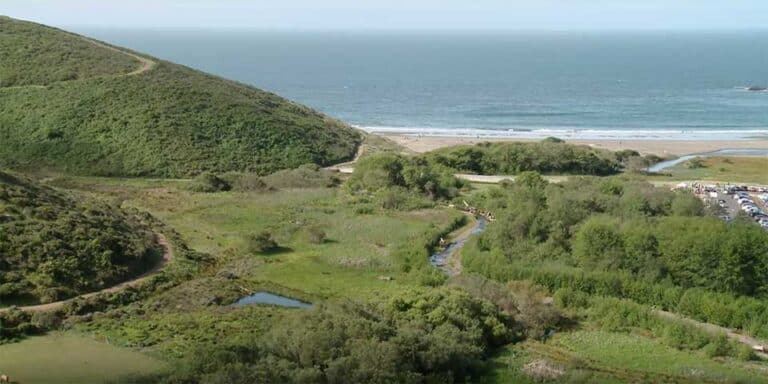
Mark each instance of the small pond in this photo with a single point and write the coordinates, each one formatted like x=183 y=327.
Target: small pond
x=441 y=258
x=722 y=152
x=270 y=299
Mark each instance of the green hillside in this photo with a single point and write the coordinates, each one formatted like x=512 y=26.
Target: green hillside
x=54 y=245
x=84 y=107
x=33 y=55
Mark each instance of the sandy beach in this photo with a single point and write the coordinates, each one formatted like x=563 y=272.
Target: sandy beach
x=657 y=147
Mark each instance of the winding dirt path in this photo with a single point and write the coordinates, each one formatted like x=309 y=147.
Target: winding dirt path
x=146 y=64
x=167 y=257
x=348 y=167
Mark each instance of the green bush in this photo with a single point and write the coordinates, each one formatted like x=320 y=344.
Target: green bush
x=548 y=157
x=245 y=182
x=440 y=335
x=745 y=352
x=316 y=235
x=55 y=245
x=394 y=179
x=208 y=182
x=718 y=347
x=305 y=176
x=261 y=242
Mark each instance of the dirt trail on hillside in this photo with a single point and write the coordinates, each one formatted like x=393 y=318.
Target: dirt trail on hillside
x=167 y=257
x=146 y=64
x=348 y=167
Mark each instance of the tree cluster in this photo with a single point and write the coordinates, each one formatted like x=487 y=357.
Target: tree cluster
x=621 y=224
x=441 y=335
x=396 y=180
x=546 y=157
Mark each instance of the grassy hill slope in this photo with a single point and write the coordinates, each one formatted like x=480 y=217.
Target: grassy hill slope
x=169 y=121
x=54 y=246
x=34 y=55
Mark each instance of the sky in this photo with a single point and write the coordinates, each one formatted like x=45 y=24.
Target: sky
x=396 y=14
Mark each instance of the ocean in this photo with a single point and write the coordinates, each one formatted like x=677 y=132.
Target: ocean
x=674 y=85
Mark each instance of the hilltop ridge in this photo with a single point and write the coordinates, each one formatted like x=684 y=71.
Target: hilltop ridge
x=80 y=106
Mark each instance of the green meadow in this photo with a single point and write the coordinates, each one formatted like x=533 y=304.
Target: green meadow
x=65 y=358
x=722 y=169
x=595 y=356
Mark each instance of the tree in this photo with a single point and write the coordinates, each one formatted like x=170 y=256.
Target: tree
x=532 y=180
x=686 y=204
x=598 y=243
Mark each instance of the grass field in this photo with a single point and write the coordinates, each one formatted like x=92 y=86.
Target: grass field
x=68 y=358
x=356 y=251
x=589 y=356
x=349 y=264
x=631 y=355
x=723 y=169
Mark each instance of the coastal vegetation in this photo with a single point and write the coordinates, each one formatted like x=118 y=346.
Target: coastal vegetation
x=167 y=121
x=598 y=278
x=620 y=238
x=546 y=157
x=736 y=170
x=37 y=55
x=400 y=182
x=376 y=295
x=54 y=245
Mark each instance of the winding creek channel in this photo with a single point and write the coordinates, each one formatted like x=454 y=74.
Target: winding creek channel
x=440 y=259
x=721 y=152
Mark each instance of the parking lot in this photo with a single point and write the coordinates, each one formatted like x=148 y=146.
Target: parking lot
x=748 y=201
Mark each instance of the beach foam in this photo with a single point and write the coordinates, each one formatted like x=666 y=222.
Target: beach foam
x=575 y=134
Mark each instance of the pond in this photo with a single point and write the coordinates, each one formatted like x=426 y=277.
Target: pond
x=440 y=259
x=270 y=299
x=722 y=152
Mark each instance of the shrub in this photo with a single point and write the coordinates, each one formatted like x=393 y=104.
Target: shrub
x=315 y=235
x=719 y=346
x=365 y=209
x=569 y=298
x=550 y=156
x=395 y=179
x=245 y=182
x=208 y=183
x=55 y=244
x=695 y=163
x=535 y=314
x=261 y=242
x=305 y=176
x=744 y=352
x=684 y=336
x=432 y=336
